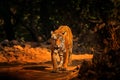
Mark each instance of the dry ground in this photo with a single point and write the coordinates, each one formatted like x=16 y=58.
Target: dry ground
x=28 y=63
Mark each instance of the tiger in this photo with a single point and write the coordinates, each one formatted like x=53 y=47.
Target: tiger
x=61 y=44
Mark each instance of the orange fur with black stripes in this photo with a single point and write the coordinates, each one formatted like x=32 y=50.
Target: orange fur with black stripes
x=61 y=44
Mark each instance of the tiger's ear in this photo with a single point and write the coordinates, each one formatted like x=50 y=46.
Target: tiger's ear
x=51 y=32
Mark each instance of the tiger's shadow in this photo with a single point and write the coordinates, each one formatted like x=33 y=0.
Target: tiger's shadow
x=41 y=68
x=44 y=67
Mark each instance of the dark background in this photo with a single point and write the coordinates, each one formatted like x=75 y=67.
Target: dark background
x=95 y=25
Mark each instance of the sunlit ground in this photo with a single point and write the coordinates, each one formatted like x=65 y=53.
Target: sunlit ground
x=18 y=63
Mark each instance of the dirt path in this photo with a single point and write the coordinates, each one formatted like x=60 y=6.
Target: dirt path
x=41 y=71
x=37 y=72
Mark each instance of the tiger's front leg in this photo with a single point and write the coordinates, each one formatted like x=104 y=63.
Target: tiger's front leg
x=65 y=63
x=61 y=60
x=54 y=61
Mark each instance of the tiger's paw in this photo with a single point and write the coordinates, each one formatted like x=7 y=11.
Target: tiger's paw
x=63 y=69
x=70 y=64
x=54 y=71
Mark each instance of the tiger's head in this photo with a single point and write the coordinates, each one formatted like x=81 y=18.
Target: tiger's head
x=58 y=40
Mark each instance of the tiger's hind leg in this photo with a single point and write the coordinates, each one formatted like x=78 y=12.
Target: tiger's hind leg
x=70 y=57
